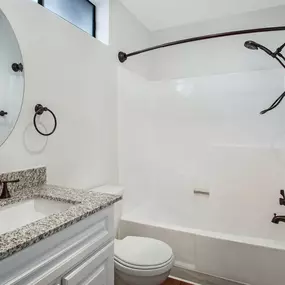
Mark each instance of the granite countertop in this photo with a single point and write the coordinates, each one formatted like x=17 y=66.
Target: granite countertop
x=84 y=204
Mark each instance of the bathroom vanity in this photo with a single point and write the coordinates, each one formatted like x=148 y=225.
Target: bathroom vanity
x=68 y=238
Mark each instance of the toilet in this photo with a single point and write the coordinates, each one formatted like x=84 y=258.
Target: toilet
x=138 y=260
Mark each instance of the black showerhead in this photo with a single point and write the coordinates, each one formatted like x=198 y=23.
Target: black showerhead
x=277 y=55
x=255 y=46
x=251 y=45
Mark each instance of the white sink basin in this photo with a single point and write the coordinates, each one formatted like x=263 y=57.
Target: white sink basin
x=20 y=214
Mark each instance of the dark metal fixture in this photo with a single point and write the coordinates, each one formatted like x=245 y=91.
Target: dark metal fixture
x=275 y=104
x=5 y=192
x=255 y=46
x=251 y=45
x=39 y=110
x=17 y=67
x=282 y=200
x=277 y=219
x=276 y=55
x=3 y=113
x=124 y=56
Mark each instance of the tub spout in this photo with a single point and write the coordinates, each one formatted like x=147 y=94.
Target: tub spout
x=276 y=219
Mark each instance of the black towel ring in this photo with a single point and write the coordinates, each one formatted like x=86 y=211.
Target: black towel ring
x=40 y=109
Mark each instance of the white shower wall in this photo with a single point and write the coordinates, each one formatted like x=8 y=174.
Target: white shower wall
x=203 y=132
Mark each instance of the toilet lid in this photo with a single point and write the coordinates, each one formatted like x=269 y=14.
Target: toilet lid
x=142 y=252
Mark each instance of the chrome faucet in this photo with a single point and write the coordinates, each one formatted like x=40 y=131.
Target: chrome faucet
x=5 y=192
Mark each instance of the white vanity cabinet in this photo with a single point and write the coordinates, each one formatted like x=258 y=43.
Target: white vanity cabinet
x=80 y=254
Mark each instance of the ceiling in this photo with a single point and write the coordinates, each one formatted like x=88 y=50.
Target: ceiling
x=162 y=14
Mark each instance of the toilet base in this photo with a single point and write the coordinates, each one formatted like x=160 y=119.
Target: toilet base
x=125 y=279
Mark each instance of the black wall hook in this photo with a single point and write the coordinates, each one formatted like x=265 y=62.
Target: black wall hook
x=39 y=110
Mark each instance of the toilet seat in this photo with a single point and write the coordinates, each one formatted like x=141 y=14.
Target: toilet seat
x=141 y=256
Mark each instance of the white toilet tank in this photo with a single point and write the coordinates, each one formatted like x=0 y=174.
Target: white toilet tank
x=115 y=190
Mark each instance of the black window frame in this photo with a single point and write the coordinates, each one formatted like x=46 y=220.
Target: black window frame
x=42 y=3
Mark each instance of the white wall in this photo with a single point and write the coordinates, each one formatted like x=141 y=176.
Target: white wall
x=74 y=75
x=181 y=132
x=128 y=35
x=203 y=132
x=69 y=72
x=135 y=138
x=161 y=14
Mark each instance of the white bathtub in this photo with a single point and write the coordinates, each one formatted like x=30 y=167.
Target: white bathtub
x=251 y=252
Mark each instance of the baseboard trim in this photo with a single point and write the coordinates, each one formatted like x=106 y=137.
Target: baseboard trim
x=198 y=278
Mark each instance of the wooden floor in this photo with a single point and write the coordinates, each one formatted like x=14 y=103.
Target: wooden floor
x=174 y=282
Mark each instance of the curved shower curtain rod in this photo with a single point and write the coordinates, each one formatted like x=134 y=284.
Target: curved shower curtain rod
x=248 y=44
x=124 y=56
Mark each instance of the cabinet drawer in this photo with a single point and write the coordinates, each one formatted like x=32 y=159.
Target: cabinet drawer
x=96 y=270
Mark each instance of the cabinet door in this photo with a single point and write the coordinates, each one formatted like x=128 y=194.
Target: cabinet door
x=96 y=270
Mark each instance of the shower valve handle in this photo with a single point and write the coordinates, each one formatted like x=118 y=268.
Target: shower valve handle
x=282 y=200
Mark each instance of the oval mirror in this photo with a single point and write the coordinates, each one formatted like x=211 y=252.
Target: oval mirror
x=11 y=79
